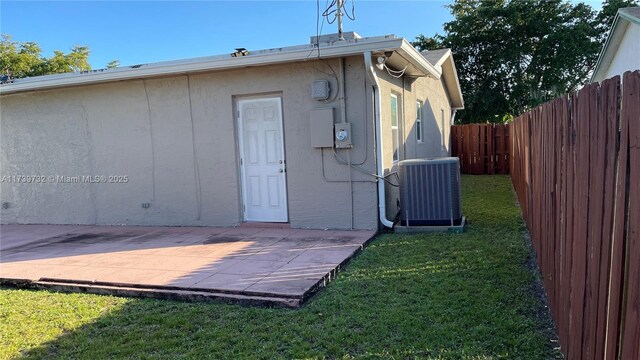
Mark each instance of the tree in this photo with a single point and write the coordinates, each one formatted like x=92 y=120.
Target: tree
x=75 y=61
x=512 y=55
x=24 y=59
x=19 y=59
x=608 y=13
x=427 y=43
x=113 y=64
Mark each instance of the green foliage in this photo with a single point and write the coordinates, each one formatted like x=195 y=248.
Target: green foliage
x=512 y=55
x=427 y=43
x=427 y=296
x=24 y=59
x=74 y=61
x=113 y=64
x=605 y=17
x=19 y=59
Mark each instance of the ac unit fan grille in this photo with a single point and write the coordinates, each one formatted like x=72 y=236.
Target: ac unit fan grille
x=430 y=192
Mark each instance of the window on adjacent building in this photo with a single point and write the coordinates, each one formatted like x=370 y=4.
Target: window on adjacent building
x=419 y=121
x=395 y=135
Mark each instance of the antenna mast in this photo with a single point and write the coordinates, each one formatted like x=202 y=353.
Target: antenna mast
x=339 y=16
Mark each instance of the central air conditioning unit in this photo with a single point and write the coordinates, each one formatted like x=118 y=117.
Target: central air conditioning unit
x=430 y=192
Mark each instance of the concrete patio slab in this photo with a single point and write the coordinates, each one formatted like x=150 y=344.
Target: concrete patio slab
x=266 y=265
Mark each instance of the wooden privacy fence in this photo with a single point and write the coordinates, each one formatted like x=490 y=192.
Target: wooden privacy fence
x=481 y=148
x=576 y=169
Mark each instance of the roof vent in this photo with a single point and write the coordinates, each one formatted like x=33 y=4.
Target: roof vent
x=5 y=79
x=240 y=52
x=331 y=38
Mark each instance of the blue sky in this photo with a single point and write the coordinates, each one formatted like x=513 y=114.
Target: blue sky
x=149 y=31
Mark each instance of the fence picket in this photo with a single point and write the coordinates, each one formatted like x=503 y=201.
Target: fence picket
x=481 y=148
x=575 y=167
x=630 y=117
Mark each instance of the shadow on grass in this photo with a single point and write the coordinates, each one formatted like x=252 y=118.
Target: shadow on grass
x=405 y=296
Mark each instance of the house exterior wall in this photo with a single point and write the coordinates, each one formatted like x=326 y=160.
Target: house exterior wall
x=433 y=95
x=626 y=56
x=174 y=139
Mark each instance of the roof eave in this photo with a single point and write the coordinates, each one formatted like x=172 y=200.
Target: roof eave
x=625 y=13
x=151 y=70
x=613 y=41
x=451 y=77
x=413 y=56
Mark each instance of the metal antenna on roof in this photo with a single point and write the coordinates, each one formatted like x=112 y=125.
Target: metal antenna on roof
x=339 y=16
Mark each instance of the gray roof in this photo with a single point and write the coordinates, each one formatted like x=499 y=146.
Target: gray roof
x=436 y=63
x=632 y=13
x=349 y=47
x=434 y=56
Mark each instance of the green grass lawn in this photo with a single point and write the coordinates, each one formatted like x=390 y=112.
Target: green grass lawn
x=440 y=296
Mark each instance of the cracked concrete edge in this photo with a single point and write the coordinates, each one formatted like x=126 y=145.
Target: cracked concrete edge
x=183 y=295
x=168 y=288
x=333 y=273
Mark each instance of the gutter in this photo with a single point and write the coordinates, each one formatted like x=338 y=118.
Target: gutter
x=267 y=57
x=371 y=73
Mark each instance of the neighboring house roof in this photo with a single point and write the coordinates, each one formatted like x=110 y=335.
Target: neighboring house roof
x=624 y=18
x=408 y=56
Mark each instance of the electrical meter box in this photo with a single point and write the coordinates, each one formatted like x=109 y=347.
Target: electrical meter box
x=321 y=125
x=342 y=133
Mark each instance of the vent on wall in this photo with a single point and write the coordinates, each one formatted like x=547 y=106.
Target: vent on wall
x=430 y=192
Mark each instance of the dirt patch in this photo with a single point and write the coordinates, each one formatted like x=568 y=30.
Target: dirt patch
x=340 y=240
x=68 y=239
x=82 y=238
x=541 y=311
x=87 y=238
x=218 y=239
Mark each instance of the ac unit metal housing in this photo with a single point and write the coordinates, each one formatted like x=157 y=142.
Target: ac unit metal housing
x=430 y=192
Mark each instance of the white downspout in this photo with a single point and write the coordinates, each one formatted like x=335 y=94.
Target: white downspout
x=382 y=207
x=453 y=122
x=453 y=116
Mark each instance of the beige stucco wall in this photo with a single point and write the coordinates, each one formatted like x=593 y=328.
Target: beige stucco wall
x=435 y=101
x=182 y=139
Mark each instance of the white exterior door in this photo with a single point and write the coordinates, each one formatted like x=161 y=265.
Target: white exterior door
x=262 y=162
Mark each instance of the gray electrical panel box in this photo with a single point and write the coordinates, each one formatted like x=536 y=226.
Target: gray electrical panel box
x=343 y=135
x=320 y=90
x=321 y=125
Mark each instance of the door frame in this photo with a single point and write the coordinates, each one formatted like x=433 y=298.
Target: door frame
x=240 y=160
